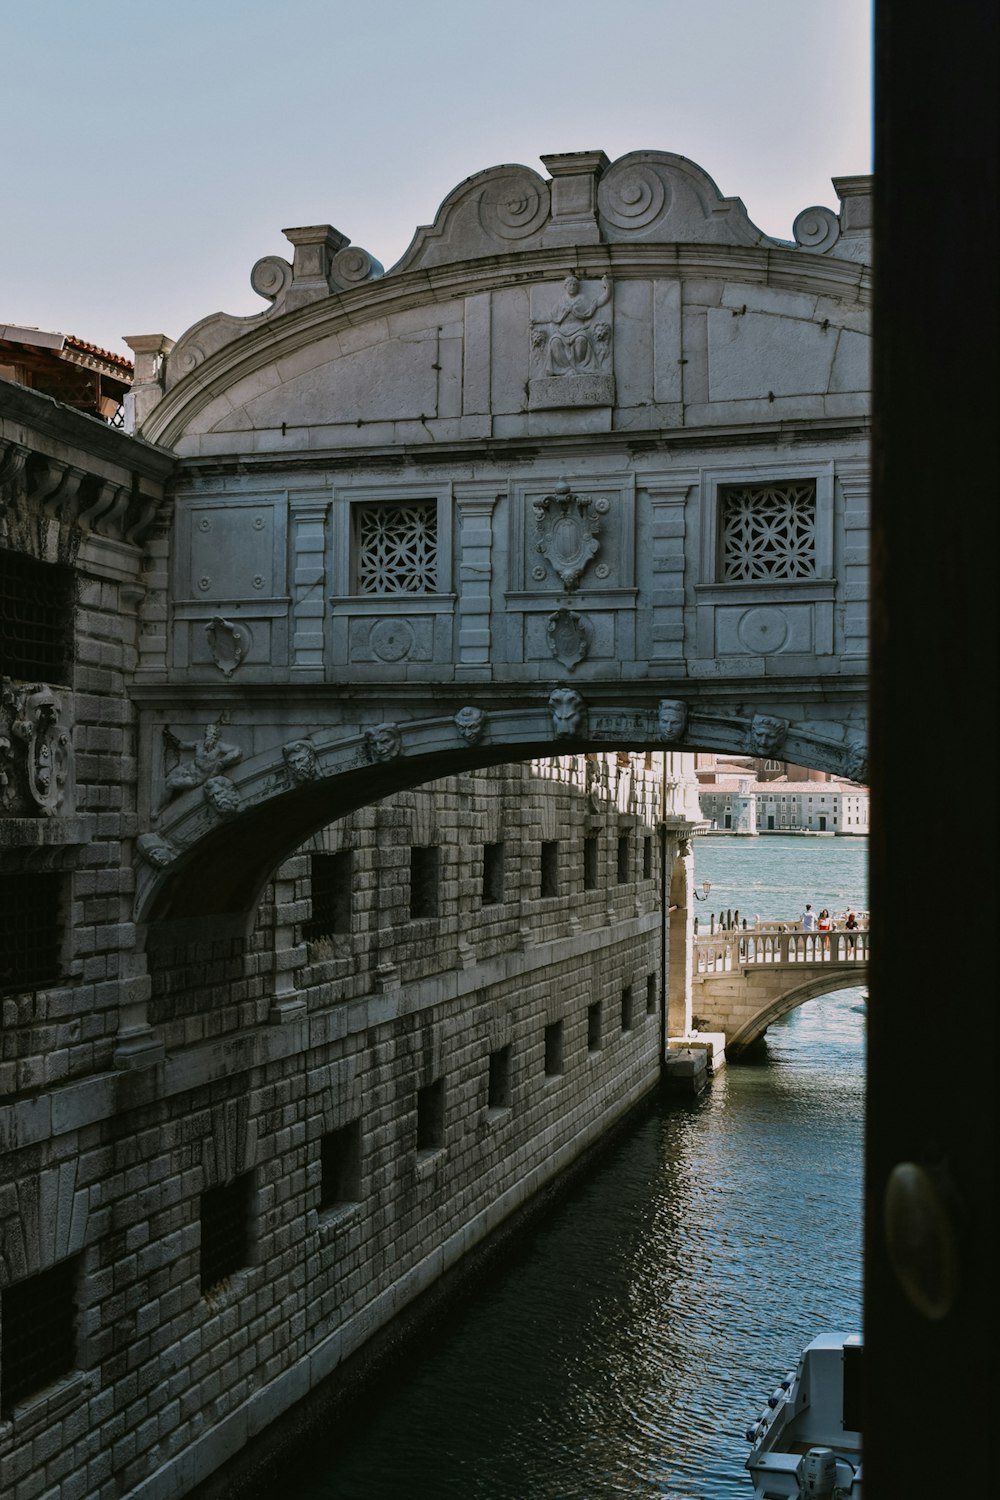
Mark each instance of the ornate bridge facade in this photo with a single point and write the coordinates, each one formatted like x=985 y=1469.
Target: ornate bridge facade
x=586 y=468
x=745 y=980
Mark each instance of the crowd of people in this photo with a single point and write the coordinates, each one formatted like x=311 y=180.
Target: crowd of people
x=822 y=922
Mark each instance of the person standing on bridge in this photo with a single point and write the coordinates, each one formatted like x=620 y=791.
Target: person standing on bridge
x=808 y=919
x=825 y=925
x=851 y=927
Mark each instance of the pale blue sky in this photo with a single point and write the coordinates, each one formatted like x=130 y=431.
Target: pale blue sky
x=154 y=149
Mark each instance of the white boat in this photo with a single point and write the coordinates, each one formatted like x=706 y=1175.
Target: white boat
x=807 y=1440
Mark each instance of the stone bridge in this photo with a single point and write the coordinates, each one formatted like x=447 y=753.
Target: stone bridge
x=743 y=980
x=586 y=468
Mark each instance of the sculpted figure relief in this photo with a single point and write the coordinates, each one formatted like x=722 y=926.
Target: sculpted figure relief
x=856 y=760
x=383 y=742
x=470 y=723
x=155 y=850
x=767 y=734
x=671 y=718
x=569 y=713
x=211 y=756
x=574 y=344
x=301 y=761
x=221 y=795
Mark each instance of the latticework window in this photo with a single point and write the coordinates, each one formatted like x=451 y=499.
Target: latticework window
x=768 y=530
x=397 y=548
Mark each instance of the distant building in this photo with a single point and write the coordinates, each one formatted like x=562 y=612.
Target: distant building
x=744 y=806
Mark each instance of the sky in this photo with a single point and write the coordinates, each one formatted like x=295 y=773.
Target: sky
x=161 y=146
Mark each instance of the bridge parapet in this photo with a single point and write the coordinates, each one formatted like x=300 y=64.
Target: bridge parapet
x=723 y=952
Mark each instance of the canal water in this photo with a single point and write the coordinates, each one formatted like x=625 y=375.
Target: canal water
x=620 y=1347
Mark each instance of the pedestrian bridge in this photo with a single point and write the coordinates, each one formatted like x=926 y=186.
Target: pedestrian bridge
x=745 y=979
x=587 y=468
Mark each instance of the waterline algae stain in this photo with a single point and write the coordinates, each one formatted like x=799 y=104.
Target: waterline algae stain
x=619 y=1349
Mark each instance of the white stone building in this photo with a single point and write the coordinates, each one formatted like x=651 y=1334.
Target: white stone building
x=740 y=805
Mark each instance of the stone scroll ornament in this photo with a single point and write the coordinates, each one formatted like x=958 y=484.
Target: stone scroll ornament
x=569 y=713
x=766 y=734
x=36 y=750
x=211 y=757
x=568 y=531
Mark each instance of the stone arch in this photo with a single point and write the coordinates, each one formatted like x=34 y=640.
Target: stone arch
x=783 y=1005
x=201 y=861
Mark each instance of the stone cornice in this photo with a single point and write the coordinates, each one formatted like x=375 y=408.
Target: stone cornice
x=630 y=444
x=63 y=426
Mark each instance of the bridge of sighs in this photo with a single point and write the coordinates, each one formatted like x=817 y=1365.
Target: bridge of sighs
x=586 y=468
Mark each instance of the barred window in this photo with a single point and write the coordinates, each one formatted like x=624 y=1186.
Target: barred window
x=396 y=548
x=36 y=618
x=331 y=877
x=30 y=929
x=37 y=1333
x=225 y=1230
x=768 y=530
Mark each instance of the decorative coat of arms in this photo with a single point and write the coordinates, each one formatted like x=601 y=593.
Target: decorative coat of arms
x=568 y=528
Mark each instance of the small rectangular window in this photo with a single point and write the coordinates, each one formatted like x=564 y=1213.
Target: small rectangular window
x=430 y=1116
x=331 y=883
x=623 y=859
x=424 y=867
x=647 y=857
x=627 y=1008
x=340 y=1166
x=650 y=994
x=594 y=1027
x=493 y=871
x=590 y=862
x=498 y=1096
x=37 y=1333
x=553 y=1049
x=225 y=1230
x=550 y=868
x=30 y=929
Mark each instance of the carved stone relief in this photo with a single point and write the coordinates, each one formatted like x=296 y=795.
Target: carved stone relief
x=210 y=757
x=228 y=642
x=301 y=762
x=569 y=713
x=384 y=742
x=568 y=529
x=470 y=723
x=571 y=360
x=671 y=718
x=36 y=751
x=856 y=760
x=570 y=637
x=156 y=850
x=766 y=734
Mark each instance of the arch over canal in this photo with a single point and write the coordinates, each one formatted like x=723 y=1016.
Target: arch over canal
x=587 y=468
x=745 y=980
